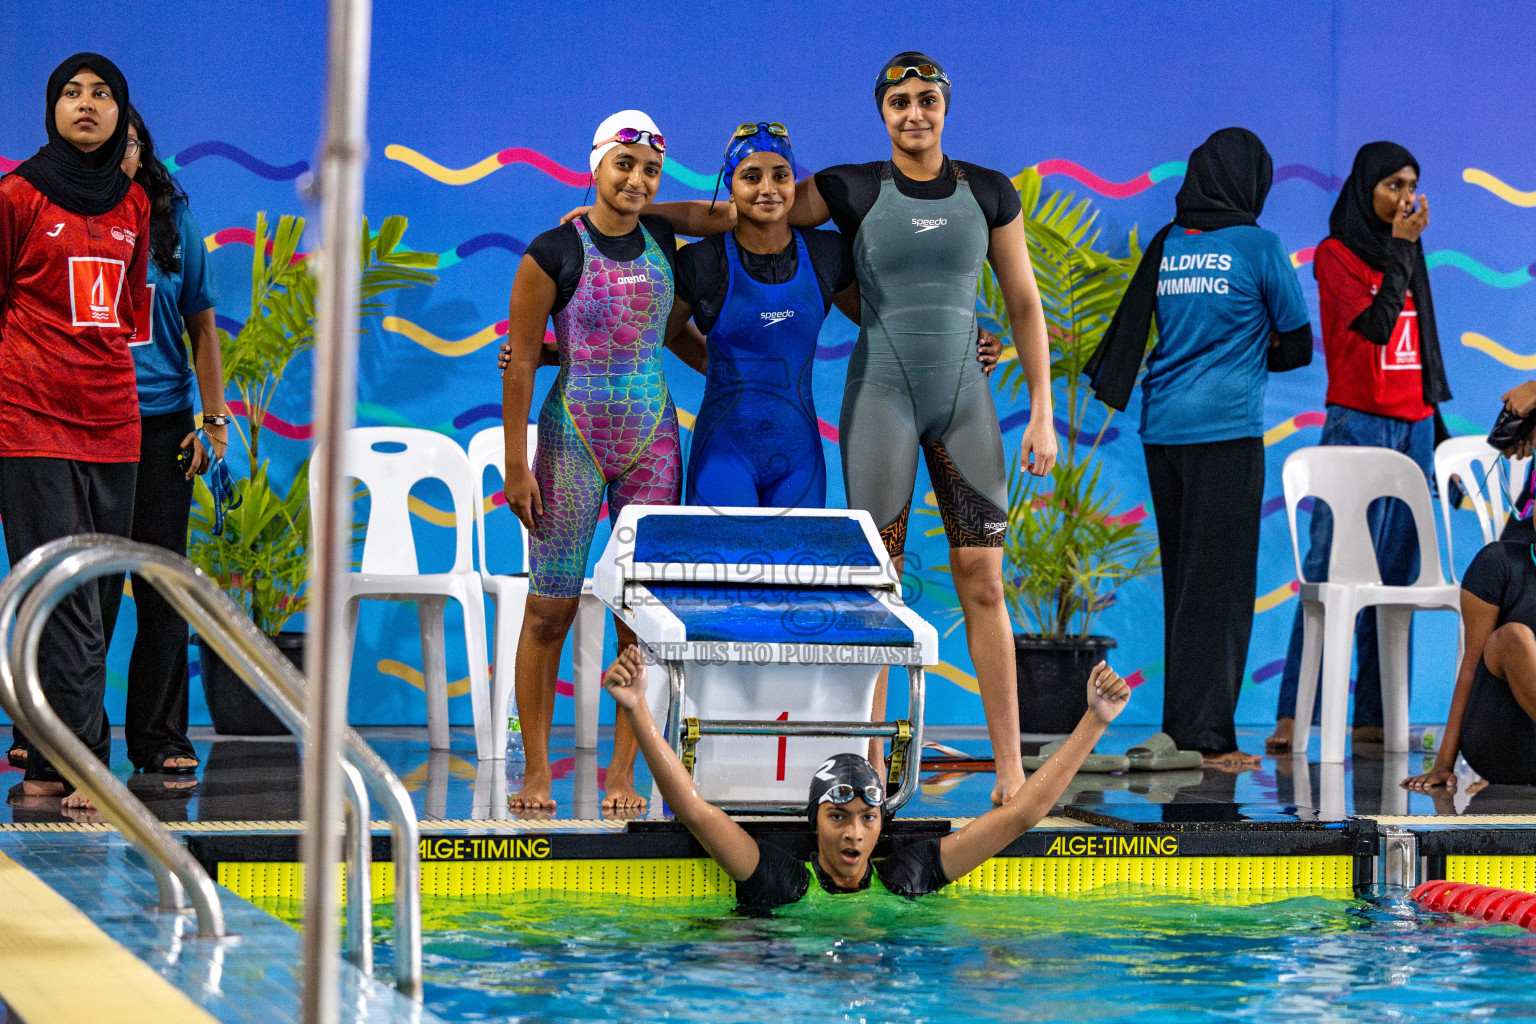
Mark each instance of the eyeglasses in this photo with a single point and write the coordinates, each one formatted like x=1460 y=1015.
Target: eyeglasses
x=630 y=136
x=747 y=129
x=843 y=793
x=927 y=72
x=133 y=146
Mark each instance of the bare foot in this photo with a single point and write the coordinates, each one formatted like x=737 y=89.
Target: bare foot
x=1369 y=734
x=1007 y=782
x=535 y=794
x=172 y=763
x=1279 y=741
x=619 y=796
x=35 y=787
x=1232 y=761
x=78 y=801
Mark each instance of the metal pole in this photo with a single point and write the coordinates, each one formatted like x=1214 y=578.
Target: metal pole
x=335 y=394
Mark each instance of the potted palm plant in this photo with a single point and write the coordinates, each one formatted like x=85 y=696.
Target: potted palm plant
x=261 y=558
x=1069 y=548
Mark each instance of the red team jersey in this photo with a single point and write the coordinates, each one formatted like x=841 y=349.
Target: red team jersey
x=1385 y=380
x=71 y=290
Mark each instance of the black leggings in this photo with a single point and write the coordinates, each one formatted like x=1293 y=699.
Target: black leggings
x=1498 y=738
x=42 y=500
x=157 y=673
x=1207 y=499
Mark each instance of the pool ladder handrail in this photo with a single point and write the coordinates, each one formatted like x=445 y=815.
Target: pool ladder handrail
x=41 y=580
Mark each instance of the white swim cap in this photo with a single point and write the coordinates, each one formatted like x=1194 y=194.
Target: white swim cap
x=636 y=119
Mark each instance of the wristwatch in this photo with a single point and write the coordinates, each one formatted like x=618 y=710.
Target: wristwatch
x=215 y=420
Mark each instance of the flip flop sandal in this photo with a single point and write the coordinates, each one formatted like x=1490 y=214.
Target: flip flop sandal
x=1093 y=764
x=1164 y=787
x=156 y=765
x=1158 y=753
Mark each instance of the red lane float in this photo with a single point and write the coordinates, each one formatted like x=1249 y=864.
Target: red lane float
x=1492 y=904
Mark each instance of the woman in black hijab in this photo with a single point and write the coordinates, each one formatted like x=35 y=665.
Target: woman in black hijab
x=1228 y=310
x=1385 y=377
x=74 y=248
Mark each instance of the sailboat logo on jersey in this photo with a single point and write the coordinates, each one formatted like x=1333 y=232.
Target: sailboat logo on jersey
x=95 y=284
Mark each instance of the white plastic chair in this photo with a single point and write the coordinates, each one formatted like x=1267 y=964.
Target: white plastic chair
x=1474 y=461
x=487 y=450
x=1349 y=479
x=390 y=571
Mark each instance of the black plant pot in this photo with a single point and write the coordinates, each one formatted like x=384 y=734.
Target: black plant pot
x=234 y=708
x=1053 y=679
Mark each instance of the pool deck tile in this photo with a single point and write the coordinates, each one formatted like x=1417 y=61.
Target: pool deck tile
x=252 y=979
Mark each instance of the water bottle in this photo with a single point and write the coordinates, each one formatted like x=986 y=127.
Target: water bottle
x=514 y=740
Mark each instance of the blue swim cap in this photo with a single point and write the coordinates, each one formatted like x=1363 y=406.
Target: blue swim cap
x=762 y=141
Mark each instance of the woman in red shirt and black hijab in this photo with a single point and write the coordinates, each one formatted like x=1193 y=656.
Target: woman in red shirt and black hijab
x=74 y=248
x=1385 y=377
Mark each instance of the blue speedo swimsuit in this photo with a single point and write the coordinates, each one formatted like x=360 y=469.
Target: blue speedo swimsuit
x=757 y=441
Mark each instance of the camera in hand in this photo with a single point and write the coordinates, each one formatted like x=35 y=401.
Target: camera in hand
x=1510 y=429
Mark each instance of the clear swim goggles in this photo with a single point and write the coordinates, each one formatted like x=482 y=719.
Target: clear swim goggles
x=630 y=136
x=843 y=793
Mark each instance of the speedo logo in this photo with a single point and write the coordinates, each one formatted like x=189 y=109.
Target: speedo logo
x=996 y=528
x=769 y=319
x=632 y=279
x=928 y=223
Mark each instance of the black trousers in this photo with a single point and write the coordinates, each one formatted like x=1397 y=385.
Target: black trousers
x=1207 y=498
x=42 y=500
x=157 y=672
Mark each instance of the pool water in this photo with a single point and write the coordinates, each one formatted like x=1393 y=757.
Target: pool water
x=1110 y=955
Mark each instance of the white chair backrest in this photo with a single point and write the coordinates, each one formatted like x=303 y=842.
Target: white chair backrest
x=488 y=450
x=1349 y=479
x=1473 y=460
x=389 y=547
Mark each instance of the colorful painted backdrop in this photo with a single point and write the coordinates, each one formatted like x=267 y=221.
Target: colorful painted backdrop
x=480 y=118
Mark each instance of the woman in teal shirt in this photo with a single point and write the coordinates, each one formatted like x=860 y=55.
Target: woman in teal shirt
x=182 y=297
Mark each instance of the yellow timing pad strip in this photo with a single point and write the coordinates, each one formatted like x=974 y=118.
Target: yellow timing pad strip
x=57 y=966
x=1505 y=872
x=684 y=877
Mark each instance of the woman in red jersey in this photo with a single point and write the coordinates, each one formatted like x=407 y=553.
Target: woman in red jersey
x=74 y=247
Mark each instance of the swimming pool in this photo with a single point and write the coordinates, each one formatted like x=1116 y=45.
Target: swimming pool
x=1122 y=954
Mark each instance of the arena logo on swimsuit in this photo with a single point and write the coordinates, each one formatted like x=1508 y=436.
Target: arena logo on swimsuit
x=632 y=279
x=928 y=223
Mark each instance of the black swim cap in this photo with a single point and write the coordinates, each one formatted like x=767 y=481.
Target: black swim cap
x=844 y=770
x=909 y=59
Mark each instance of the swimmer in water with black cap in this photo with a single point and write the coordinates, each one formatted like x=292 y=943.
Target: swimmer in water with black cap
x=845 y=808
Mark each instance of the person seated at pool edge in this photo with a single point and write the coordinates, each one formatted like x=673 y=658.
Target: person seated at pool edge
x=845 y=809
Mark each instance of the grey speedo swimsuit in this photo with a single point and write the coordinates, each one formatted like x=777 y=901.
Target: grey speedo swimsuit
x=913 y=378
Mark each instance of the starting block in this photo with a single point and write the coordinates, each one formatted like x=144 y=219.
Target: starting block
x=773 y=626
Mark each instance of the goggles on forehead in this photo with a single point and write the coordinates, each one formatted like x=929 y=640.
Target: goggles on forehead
x=747 y=129
x=927 y=72
x=843 y=793
x=630 y=136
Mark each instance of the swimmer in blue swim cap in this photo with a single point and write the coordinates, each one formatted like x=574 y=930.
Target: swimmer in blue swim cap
x=846 y=808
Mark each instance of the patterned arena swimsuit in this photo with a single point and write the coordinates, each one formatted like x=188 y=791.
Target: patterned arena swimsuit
x=608 y=425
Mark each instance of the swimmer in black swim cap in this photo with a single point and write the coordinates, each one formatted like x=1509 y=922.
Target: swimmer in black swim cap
x=846 y=806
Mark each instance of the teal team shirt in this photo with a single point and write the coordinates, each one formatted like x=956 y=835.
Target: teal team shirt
x=161 y=361
x=1220 y=294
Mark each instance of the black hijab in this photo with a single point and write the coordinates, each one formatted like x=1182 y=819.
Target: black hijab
x=88 y=184
x=1354 y=222
x=1226 y=183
